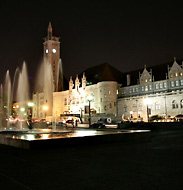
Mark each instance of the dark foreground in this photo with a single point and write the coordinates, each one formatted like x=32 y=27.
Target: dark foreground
x=155 y=164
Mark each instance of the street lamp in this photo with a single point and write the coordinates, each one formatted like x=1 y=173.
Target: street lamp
x=147 y=101
x=89 y=98
x=45 y=108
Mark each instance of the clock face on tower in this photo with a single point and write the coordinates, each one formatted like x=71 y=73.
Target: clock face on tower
x=54 y=50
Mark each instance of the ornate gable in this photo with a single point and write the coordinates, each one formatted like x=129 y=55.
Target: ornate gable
x=145 y=76
x=176 y=70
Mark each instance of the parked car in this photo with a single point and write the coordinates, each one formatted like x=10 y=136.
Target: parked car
x=97 y=126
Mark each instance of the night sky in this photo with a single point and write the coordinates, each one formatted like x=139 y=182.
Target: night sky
x=126 y=34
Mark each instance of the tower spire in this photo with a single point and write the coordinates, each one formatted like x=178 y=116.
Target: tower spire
x=49 y=31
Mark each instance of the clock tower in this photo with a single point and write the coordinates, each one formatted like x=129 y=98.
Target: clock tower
x=51 y=47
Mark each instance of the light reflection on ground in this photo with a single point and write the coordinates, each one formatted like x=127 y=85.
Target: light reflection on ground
x=44 y=134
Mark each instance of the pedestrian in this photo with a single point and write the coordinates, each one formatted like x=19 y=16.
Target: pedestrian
x=76 y=122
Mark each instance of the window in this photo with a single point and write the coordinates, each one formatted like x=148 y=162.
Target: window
x=172 y=83
x=180 y=73
x=176 y=83
x=164 y=84
x=145 y=80
x=130 y=90
x=157 y=106
x=146 y=88
x=105 y=108
x=149 y=80
x=133 y=89
x=160 y=85
x=142 y=88
x=150 y=87
x=171 y=76
x=137 y=89
x=114 y=104
x=174 y=104
x=181 y=104
x=142 y=80
x=176 y=74
x=110 y=105
x=140 y=107
x=134 y=107
x=156 y=86
x=125 y=108
x=109 y=92
x=181 y=82
x=100 y=99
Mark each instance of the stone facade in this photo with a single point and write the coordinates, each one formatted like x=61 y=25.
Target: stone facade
x=165 y=96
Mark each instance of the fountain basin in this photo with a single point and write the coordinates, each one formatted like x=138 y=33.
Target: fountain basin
x=54 y=139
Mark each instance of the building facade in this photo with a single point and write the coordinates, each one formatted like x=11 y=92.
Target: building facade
x=138 y=94
x=146 y=96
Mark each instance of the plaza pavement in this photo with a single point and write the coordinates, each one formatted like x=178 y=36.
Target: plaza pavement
x=154 y=164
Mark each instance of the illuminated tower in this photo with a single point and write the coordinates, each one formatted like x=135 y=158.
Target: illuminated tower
x=51 y=46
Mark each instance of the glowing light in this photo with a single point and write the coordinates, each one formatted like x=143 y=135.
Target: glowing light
x=89 y=98
x=147 y=101
x=46 y=50
x=54 y=50
x=30 y=104
x=45 y=108
x=22 y=109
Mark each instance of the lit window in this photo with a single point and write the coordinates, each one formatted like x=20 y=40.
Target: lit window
x=160 y=85
x=46 y=50
x=133 y=89
x=146 y=88
x=157 y=86
x=149 y=80
x=174 y=104
x=142 y=88
x=176 y=74
x=165 y=85
x=145 y=80
x=176 y=83
x=171 y=75
x=137 y=89
x=117 y=92
x=181 y=82
x=150 y=87
x=172 y=83
x=130 y=90
x=180 y=73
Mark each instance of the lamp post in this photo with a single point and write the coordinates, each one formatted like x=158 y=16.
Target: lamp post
x=45 y=108
x=147 y=101
x=89 y=98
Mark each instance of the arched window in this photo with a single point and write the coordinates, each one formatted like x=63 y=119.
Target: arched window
x=134 y=107
x=181 y=104
x=157 y=106
x=125 y=108
x=174 y=104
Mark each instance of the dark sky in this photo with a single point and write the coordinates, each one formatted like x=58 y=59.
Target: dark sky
x=126 y=34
